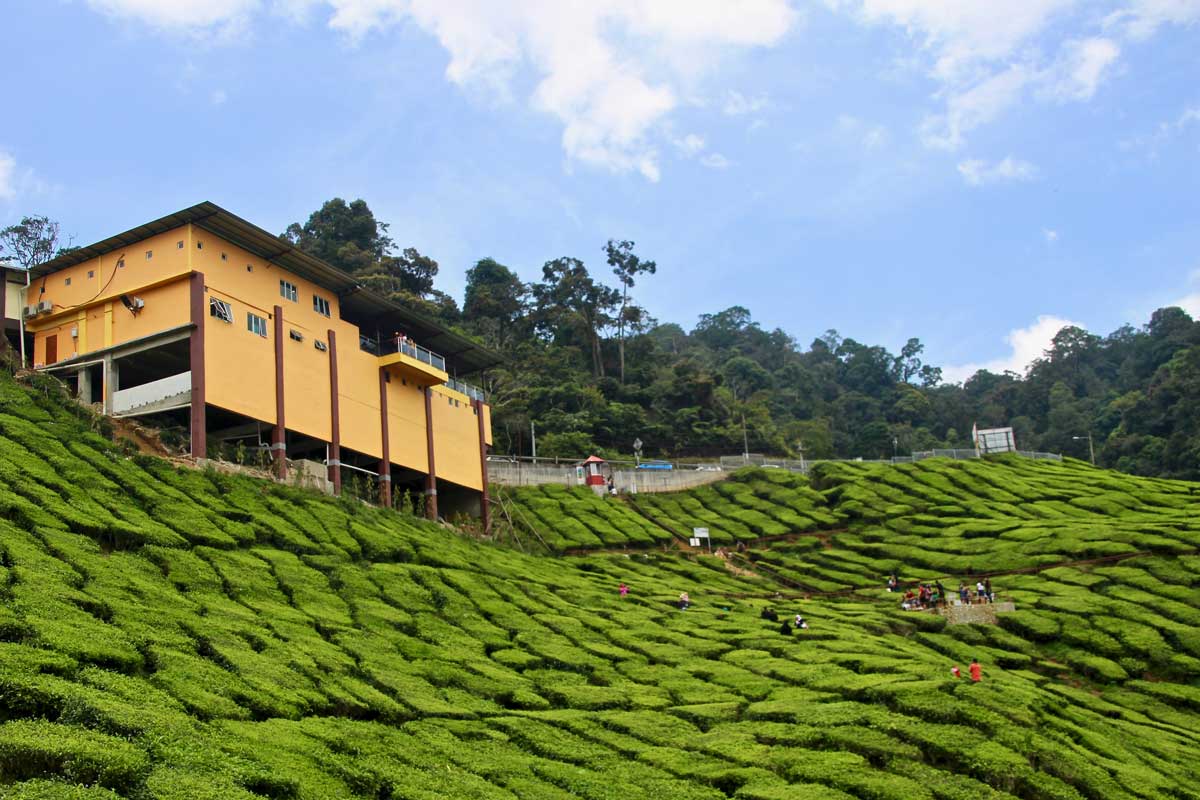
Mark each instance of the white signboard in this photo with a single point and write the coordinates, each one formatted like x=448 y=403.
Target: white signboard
x=700 y=533
x=694 y=542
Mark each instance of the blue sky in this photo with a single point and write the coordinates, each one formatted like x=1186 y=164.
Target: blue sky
x=971 y=173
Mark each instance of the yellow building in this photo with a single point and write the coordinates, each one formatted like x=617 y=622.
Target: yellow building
x=206 y=319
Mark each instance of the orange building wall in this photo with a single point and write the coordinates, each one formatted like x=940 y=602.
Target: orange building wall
x=455 y=439
x=106 y=324
x=240 y=365
x=406 y=424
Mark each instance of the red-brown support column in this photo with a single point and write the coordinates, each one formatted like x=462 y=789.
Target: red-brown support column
x=485 y=513
x=335 y=425
x=431 y=510
x=279 y=435
x=199 y=421
x=4 y=310
x=385 y=463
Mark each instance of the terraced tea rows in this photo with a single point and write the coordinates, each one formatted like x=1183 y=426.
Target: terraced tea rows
x=184 y=634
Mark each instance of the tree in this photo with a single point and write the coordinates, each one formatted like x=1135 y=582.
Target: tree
x=346 y=235
x=626 y=266
x=32 y=241
x=568 y=298
x=495 y=302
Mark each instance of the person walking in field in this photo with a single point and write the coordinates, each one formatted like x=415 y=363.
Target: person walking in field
x=987 y=587
x=976 y=671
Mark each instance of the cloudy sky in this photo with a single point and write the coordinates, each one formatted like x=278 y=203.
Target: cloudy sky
x=970 y=172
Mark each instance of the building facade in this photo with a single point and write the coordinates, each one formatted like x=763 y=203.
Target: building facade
x=203 y=319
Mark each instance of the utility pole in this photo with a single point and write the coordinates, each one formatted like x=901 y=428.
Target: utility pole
x=1091 y=447
x=745 y=441
x=533 y=440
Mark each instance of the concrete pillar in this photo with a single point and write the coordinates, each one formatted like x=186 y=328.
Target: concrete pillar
x=385 y=462
x=84 y=377
x=431 y=494
x=112 y=376
x=199 y=420
x=485 y=513
x=279 y=433
x=335 y=427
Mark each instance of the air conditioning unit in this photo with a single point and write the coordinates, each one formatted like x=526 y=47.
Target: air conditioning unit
x=44 y=307
x=29 y=311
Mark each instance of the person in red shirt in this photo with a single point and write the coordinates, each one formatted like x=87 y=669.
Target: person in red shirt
x=955 y=671
x=976 y=671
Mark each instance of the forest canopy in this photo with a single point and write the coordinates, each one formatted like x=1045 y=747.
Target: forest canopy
x=593 y=370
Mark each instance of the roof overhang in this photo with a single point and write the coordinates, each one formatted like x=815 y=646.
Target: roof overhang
x=363 y=306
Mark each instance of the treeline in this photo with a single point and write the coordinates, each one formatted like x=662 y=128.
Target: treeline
x=594 y=371
x=590 y=367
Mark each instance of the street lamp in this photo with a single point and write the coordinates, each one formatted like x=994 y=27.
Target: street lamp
x=1091 y=448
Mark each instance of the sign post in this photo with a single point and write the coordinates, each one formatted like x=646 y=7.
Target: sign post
x=698 y=534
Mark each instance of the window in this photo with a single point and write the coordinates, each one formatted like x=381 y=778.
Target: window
x=249 y=268
x=120 y=263
x=288 y=290
x=220 y=309
x=321 y=305
x=317 y=343
x=67 y=282
x=149 y=254
x=296 y=335
x=256 y=324
x=91 y=273
x=179 y=245
x=224 y=257
x=199 y=245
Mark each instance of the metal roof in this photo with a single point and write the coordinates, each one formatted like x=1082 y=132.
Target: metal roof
x=365 y=307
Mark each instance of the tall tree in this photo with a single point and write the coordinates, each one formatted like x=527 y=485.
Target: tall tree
x=346 y=235
x=495 y=302
x=627 y=266
x=32 y=241
x=568 y=296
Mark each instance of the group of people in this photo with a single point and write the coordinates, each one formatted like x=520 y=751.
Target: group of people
x=975 y=671
x=933 y=595
x=785 y=627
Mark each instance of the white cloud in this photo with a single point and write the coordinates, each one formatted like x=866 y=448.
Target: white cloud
x=983 y=57
x=1050 y=235
x=972 y=107
x=977 y=172
x=1025 y=346
x=1080 y=68
x=1164 y=133
x=691 y=145
x=611 y=71
x=1142 y=18
x=218 y=97
x=8 y=177
x=737 y=104
x=866 y=135
x=715 y=161
x=187 y=15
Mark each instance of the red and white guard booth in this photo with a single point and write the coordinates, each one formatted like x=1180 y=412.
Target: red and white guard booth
x=590 y=472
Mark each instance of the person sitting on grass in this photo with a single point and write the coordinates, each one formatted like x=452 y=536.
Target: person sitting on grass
x=769 y=614
x=956 y=672
x=800 y=623
x=684 y=601
x=785 y=628
x=892 y=583
x=623 y=590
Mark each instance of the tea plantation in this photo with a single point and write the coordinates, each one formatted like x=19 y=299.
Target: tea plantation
x=174 y=633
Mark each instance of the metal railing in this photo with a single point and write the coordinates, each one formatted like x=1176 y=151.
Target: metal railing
x=385 y=347
x=473 y=392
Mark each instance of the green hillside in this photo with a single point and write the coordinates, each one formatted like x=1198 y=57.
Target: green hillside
x=174 y=633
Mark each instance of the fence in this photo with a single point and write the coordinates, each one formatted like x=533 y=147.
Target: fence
x=625 y=478
x=522 y=471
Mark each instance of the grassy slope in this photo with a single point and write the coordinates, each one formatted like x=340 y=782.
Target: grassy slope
x=182 y=634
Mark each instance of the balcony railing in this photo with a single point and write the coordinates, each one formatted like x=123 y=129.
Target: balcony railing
x=473 y=392
x=385 y=347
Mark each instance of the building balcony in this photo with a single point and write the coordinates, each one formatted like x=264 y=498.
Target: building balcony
x=411 y=360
